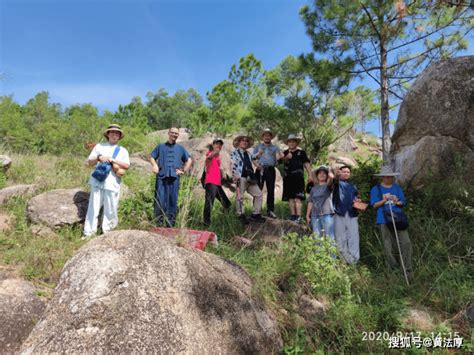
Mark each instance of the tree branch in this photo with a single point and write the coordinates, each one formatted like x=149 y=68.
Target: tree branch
x=371 y=21
x=395 y=94
x=422 y=37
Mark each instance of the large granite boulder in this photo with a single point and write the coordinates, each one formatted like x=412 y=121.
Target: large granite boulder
x=16 y=191
x=140 y=164
x=137 y=292
x=20 y=309
x=161 y=136
x=435 y=125
x=58 y=208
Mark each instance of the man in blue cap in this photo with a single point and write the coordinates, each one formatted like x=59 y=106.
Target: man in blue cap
x=169 y=161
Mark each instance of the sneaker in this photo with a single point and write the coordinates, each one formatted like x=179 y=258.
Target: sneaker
x=291 y=218
x=243 y=219
x=257 y=218
x=272 y=214
x=298 y=219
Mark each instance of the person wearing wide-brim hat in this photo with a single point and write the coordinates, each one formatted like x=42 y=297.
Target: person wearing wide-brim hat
x=243 y=175
x=268 y=156
x=295 y=162
x=113 y=128
x=106 y=193
x=293 y=137
x=236 y=141
x=380 y=196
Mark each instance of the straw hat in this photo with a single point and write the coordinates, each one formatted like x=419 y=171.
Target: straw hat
x=113 y=127
x=293 y=137
x=387 y=171
x=265 y=131
x=237 y=139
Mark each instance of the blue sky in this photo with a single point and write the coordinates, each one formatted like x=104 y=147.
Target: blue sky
x=107 y=51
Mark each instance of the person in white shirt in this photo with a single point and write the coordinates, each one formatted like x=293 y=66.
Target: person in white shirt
x=107 y=192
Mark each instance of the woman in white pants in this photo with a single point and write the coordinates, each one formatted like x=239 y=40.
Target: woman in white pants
x=106 y=193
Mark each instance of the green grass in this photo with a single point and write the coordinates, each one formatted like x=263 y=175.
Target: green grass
x=366 y=297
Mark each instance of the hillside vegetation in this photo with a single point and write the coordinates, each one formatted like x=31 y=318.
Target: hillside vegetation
x=362 y=298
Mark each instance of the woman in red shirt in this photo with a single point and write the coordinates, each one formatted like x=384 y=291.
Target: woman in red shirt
x=212 y=181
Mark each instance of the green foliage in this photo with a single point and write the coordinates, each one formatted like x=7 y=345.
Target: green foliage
x=3 y=179
x=363 y=177
x=42 y=257
x=136 y=212
x=319 y=111
x=164 y=111
x=315 y=261
x=354 y=35
x=388 y=42
x=366 y=297
x=42 y=127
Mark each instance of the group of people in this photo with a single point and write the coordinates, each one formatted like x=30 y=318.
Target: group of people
x=332 y=210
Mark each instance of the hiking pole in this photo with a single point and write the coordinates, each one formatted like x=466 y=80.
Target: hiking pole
x=398 y=243
x=239 y=196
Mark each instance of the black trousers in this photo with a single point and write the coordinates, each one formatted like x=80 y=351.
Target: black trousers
x=213 y=192
x=268 y=177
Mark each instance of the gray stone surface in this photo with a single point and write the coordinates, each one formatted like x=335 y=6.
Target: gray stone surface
x=5 y=162
x=15 y=191
x=136 y=292
x=57 y=208
x=435 y=123
x=20 y=309
x=162 y=135
x=6 y=222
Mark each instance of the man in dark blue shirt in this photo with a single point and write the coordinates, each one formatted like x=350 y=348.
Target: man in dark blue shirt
x=346 y=226
x=169 y=161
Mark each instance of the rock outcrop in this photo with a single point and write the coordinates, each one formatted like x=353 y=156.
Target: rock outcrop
x=5 y=162
x=136 y=292
x=6 y=222
x=419 y=320
x=312 y=309
x=140 y=164
x=162 y=135
x=20 y=309
x=273 y=229
x=435 y=125
x=15 y=191
x=58 y=208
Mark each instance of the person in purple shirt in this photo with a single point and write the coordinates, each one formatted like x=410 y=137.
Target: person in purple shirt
x=380 y=195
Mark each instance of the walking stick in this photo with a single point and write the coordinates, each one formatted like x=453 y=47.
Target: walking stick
x=239 y=195
x=398 y=243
